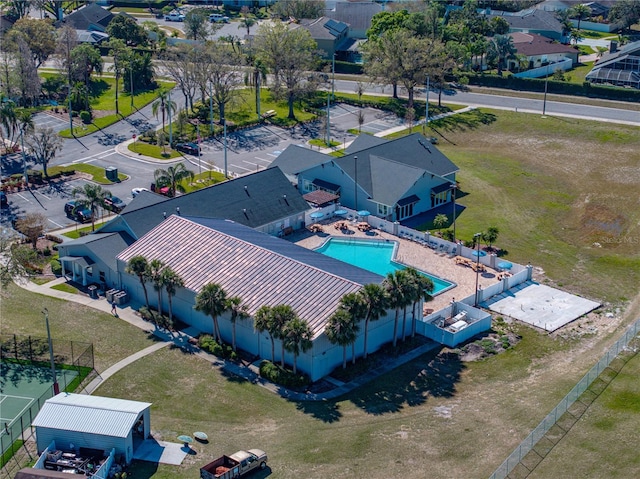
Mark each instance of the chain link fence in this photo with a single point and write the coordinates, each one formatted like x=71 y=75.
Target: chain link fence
x=552 y=418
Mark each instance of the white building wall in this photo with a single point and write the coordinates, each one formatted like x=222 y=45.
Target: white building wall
x=65 y=439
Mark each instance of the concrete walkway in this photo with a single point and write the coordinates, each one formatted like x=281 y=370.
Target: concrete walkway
x=182 y=339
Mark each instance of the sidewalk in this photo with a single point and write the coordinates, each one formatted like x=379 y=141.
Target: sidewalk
x=181 y=340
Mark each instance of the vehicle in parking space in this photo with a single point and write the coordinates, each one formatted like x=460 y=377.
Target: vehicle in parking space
x=76 y=212
x=174 y=17
x=234 y=465
x=218 y=18
x=136 y=191
x=189 y=148
x=4 y=201
x=115 y=204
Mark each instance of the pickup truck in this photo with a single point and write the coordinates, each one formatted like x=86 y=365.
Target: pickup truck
x=174 y=17
x=235 y=465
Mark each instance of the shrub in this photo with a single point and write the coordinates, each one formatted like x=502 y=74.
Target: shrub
x=209 y=344
x=46 y=251
x=284 y=377
x=34 y=176
x=85 y=116
x=56 y=267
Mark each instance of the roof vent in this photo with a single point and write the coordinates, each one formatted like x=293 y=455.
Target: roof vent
x=425 y=146
x=177 y=209
x=164 y=215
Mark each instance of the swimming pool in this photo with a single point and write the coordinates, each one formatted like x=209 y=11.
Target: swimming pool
x=374 y=256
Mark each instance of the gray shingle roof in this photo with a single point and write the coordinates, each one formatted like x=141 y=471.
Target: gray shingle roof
x=261 y=269
x=362 y=142
x=295 y=159
x=91 y=15
x=532 y=19
x=105 y=246
x=267 y=196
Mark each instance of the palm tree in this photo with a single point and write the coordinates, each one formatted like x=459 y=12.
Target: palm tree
x=502 y=48
x=353 y=303
x=139 y=266
x=247 y=22
x=343 y=331
x=490 y=236
x=422 y=288
x=173 y=177
x=296 y=337
x=580 y=11
x=375 y=299
x=172 y=281
x=163 y=105
x=155 y=275
x=280 y=315
x=261 y=321
x=8 y=119
x=212 y=301
x=91 y=197
x=238 y=311
x=396 y=286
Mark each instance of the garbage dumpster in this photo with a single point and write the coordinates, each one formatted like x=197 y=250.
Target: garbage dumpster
x=111 y=172
x=93 y=291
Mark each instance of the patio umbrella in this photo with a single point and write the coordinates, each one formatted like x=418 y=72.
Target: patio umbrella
x=340 y=212
x=363 y=213
x=186 y=439
x=316 y=215
x=505 y=265
x=479 y=253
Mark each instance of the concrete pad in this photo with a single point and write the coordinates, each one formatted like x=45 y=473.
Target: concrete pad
x=162 y=452
x=541 y=306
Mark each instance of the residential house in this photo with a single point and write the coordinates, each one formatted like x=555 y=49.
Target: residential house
x=393 y=179
x=90 y=17
x=540 y=51
x=619 y=67
x=533 y=20
x=357 y=15
x=330 y=35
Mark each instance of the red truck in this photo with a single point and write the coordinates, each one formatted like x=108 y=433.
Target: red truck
x=235 y=465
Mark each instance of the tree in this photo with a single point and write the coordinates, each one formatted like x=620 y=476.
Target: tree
x=212 y=301
x=40 y=36
x=247 y=21
x=375 y=300
x=85 y=60
x=289 y=54
x=156 y=267
x=67 y=40
x=625 y=13
x=14 y=260
x=163 y=105
x=119 y=51
x=182 y=63
x=8 y=121
x=196 y=24
x=222 y=70
x=421 y=288
x=140 y=71
x=440 y=221
x=32 y=226
x=261 y=323
x=397 y=287
x=44 y=144
x=575 y=36
x=173 y=177
x=79 y=96
x=26 y=72
x=239 y=310
x=353 y=303
x=279 y=316
x=490 y=236
x=501 y=49
x=580 y=11
x=139 y=266
x=17 y=8
x=298 y=9
x=91 y=197
x=297 y=338
x=126 y=28
x=172 y=281
x=342 y=330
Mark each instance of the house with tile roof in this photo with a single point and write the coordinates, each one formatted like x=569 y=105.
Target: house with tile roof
x=392 y=179
x=540 y=51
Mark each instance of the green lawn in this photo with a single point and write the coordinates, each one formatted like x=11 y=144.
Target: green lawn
x=66 y=288
x=97 y=173
x=154 y=151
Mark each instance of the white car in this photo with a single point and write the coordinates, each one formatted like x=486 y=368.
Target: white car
x=174 y=17
x=218 y=18
x=136 y=191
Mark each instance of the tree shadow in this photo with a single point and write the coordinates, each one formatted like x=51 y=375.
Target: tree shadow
x=97 y=88
x=433 y=374
x=142 y=469
x=326 y=411
x=469 y=120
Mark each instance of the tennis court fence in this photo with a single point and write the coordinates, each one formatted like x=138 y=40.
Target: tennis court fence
x=30 y=350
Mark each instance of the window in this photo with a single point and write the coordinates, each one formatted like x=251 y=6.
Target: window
x=383 y=210
x=102 y=280
x=439 y=198
x=308 y=186
x=405 y=211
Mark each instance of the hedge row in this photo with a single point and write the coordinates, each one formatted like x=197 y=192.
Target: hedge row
x=278 y=375
x=558 y=87
x=343 y=67
x=138 y=3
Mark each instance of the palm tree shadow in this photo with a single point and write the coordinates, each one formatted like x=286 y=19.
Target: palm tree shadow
x=326 y=411
x=432 y=374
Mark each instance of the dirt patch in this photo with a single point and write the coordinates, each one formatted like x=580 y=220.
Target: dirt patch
x=486 y=346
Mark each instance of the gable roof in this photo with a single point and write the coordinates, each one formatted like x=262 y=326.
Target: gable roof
x=362 y=142
x=357 y=15
x=608 y=59
x=296 y=158
x=105 y=246
x=530 y=44
x=261 y=269
x=253 y=200
x=90 y=414
x=324 y=28
x=91 y=16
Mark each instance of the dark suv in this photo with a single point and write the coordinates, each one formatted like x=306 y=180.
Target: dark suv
x=115 y=204
x=76 y=212
x=189 y=148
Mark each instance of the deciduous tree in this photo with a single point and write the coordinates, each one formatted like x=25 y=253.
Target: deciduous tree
x=44 y=144
x=32 y=226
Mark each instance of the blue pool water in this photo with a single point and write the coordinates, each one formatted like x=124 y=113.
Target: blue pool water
x=374 y=256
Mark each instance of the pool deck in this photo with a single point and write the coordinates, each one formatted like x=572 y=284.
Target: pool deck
x=411 y=254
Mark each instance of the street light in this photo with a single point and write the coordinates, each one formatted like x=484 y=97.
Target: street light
x=355 y=164
x=476 y=238
x=56 y=388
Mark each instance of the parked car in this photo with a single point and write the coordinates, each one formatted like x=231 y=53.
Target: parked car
x=174 y=17
x=115 y=204
x=218 y=18
x=74 y=211
x=3 y=199
x=189 y=148
x=136 y=191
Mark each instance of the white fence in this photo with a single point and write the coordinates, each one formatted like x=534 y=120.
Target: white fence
x=546 y=70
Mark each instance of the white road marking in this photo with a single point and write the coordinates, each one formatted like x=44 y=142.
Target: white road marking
x=23 y=197
x=241 y=167
x=43 y=195
x=58 y=225
x=249 y=163
x=82 y=160
x=271 y=154
x=262 y=159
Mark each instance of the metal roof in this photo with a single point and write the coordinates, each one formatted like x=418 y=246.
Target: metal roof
x=90 y=414
x=261 y=269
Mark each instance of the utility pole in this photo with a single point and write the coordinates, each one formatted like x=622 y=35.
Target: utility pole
x=56 y=388
x=170 y=129
x=224 y=124
x=426 y=107
x=210 y=109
